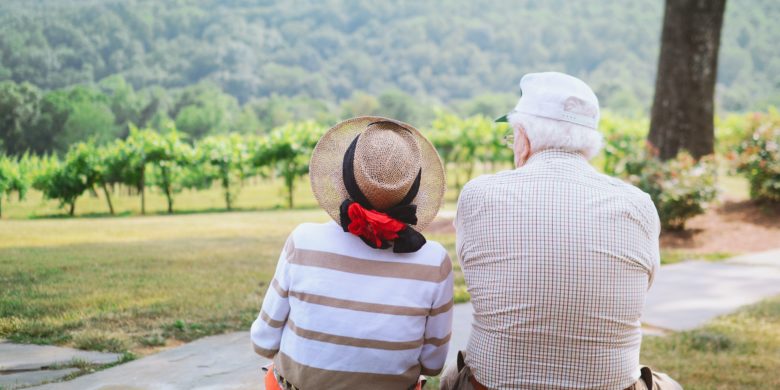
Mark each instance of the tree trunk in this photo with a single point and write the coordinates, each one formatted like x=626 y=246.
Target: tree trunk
x=289 y=179
x=167 y=188
x=108 y=199
x=143 y=191
x=72 y=208
x=226 y=185
x=683 y=107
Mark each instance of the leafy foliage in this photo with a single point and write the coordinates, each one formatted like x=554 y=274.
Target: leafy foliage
x=464 y=143
x=288 y=151
x=67 y=180
x=167 y=155
x=758 y=156
x=681 y=188
x=449 y=51
x=225 y=158
x=165 y=159
x=13 y=178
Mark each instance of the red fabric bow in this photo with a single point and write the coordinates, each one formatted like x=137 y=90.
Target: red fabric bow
x=373 y=225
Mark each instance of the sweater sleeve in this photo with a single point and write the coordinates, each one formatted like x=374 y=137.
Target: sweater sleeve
x=438 y=326
x=266 y=331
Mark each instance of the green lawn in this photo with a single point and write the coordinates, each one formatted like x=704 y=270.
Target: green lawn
x=737 y=351
x=137 y=282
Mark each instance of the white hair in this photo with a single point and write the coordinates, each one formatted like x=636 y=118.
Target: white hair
x=544 y=133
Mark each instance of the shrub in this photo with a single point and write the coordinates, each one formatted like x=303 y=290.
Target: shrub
x=758 y=157
x=287 y=149
x=732 y=129
x=67 y=180
x=13 y=178
x=225 y=158
x=680 y=188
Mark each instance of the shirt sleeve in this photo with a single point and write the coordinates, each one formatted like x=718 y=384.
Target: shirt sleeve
x=266 y=331
x=646 y=213
x=654 y=249
x=438 y=325
x=470 y=202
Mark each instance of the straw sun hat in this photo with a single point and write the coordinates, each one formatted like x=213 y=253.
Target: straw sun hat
x=386 y=167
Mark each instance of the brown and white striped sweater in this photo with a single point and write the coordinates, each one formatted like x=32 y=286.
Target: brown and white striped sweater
x=340 y=314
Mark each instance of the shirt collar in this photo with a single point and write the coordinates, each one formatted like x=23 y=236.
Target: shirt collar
x=557 y=155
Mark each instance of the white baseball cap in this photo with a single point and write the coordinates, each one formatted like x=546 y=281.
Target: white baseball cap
x=558 y=96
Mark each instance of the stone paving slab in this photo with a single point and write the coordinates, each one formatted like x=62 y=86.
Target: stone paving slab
x=217 y=362
x=30 y=378
x=14 y=357
x=687 y=295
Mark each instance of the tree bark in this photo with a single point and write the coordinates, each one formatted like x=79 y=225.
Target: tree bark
x=170 y=201
x=683 y=107
x=108 y=199
x=227 y=193
x=72 y=208
x=289 y=179
x=143 y=191
x=167 y=189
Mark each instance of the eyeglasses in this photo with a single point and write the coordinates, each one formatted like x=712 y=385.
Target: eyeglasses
x=509 y=139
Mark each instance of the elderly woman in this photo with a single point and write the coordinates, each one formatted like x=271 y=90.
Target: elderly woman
x=363 y=300
x=557 y=257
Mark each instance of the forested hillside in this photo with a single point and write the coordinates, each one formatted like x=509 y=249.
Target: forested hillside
x=448 y=51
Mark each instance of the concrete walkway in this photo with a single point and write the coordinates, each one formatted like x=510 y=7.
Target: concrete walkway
x=25 y=365
x=218 y=362
x=687 y=295
x=683 y=297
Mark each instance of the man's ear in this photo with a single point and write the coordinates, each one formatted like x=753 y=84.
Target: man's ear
x=521 y=136
x=527 y=147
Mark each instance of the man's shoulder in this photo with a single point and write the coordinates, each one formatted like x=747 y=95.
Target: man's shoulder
x=639 y=202
x=478 y=182
x=622 y=188
x=472 y=192
x=483 y=182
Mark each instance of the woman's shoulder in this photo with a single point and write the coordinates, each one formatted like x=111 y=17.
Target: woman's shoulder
x=313 y=235
x=434 y=247
x=434 y=253
x=316 y=228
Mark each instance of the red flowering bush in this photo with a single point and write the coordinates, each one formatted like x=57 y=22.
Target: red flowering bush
x=681 y=188
x=758 y=157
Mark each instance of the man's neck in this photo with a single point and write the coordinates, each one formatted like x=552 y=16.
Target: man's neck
x=552 y=153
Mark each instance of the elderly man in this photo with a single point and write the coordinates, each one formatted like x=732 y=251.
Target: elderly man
x=557 y=257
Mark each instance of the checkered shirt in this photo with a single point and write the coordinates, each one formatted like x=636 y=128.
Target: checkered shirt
x=558 y=259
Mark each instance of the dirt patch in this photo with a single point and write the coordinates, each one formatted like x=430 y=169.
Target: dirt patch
x=734 y=227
